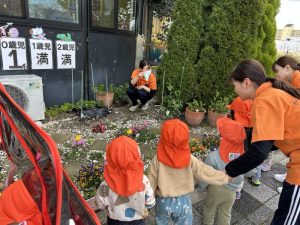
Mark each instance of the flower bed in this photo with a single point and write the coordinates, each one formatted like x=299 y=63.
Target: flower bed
x=200 y=147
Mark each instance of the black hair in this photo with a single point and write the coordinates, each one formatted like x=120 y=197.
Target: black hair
x=250 y=69
x=286 y=60
x=143 y=63
x=255 y=72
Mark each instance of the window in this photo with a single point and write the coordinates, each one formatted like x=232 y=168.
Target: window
x=103 y=13
x=12 y=8
x=126 y=15
x=56 y=10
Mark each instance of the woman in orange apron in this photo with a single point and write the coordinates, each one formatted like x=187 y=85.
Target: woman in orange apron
x=275 y=118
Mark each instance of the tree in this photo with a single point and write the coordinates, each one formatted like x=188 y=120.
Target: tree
x=182 y=48
x=230 y=30
x=267 y=31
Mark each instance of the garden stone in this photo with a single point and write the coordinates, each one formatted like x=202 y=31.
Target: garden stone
x=60 y=138
x=73 y=167
x=99 y=144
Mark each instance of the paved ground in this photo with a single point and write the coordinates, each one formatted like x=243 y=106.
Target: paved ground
x=256 y=206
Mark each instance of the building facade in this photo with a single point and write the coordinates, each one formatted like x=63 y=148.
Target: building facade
x=288 y=31
x=71 y=44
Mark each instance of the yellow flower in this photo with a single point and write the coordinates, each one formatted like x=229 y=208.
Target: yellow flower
x=129 y=131
x=77 y=137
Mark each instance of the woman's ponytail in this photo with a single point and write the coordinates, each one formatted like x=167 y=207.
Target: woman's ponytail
x=285 y=86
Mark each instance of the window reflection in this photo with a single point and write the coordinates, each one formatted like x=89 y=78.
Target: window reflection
x=126 y=15
x=12 y=8
x=103 y=13
x=56 y=10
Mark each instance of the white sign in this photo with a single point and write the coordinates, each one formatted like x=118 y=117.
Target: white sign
x=13 y=51
x=66 y=52
x=41 y=54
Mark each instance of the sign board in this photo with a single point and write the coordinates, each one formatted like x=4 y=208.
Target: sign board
x=41 y=54
x=13 y=52
x=66 y=52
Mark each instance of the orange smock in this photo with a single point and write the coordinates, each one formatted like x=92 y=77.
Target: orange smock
x=151 y=83
x=275 y=116
x=295 y=82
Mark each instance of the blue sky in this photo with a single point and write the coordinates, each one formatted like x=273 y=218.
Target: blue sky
x=289 y=12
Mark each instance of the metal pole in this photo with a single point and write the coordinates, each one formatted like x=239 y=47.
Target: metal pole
x=163 y=89
x=93 y=81
x=73 y=86
x=106 y=91
x=81 y=106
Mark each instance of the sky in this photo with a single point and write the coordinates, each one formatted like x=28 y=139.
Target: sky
x=289 y=12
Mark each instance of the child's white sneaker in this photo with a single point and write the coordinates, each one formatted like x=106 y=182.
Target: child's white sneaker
x=280 y=177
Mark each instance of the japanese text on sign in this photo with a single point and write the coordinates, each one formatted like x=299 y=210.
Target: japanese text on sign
x=66 y=52
x=41 y=54
x=13 y=52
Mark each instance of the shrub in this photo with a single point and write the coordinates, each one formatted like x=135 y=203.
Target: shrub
x=182 y=49
x=196 y=106
x=120 y=94
x=219 y=104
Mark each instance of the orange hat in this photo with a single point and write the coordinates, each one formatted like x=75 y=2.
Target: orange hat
x=242 y=111
x=173 y=147
x=124 y=167
x=232 y=139
x=17 y=205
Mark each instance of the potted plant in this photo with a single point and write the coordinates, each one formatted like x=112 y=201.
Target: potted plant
x=104 y=96
x=217 y=109
x=194 y=113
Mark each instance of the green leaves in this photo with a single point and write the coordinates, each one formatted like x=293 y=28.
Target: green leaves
x=208 y=38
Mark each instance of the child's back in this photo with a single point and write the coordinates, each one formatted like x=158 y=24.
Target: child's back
x=125 y=208
x=241 y=112
x=213 y=159
x=219 y=200
x=172 y=173
x=125 y=193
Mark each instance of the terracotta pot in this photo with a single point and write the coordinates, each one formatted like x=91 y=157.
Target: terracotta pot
x=212 y=118
x=106 y=98
x=193 y=118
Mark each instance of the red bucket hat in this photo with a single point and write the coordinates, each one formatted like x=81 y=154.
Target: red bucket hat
x=173 y=147
x=124 y=167
x=232 y=139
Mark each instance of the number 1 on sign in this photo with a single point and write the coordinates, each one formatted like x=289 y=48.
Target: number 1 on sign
x=13 y=54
